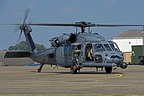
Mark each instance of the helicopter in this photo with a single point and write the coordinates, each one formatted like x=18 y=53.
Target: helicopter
x=73 y=50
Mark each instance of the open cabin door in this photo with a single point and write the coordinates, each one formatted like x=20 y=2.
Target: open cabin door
x=89 y=54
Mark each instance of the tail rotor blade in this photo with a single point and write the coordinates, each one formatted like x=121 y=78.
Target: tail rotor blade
x=16 y=29
x=19 y=38
x=26 y=15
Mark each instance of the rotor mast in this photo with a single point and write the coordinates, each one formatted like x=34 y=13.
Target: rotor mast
x=83 y=25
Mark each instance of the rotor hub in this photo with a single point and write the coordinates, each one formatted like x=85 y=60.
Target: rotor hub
x=83 y=25
x=25 y=28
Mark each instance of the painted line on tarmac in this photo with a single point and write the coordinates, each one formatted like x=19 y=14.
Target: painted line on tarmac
x=116 y=76
x=120 y=75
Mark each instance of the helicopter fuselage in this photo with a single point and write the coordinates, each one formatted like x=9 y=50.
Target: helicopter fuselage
x=90 y=50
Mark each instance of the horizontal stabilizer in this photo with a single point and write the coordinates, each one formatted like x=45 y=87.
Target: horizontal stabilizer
x=17 y=54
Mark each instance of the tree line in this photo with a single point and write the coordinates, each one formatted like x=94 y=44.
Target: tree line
x=23 y=46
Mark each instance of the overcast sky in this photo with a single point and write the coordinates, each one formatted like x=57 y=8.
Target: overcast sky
x=67 y=11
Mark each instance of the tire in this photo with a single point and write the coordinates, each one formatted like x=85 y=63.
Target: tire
x=39 y=70
x=108 y=69
x=73 y=69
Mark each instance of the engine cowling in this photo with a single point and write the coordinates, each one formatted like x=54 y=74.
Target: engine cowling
x=63 y=39
x=54 y=41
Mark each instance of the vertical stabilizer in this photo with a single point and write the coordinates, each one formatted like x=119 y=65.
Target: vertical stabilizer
x=30 y=42
x=27 y=29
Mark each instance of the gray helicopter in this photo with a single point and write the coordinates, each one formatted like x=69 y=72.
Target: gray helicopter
x=75 y=50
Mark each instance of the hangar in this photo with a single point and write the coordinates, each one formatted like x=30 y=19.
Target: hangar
x=127 y=40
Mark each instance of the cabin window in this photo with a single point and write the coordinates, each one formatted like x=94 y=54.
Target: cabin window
x=98 y=58
x=77 y=50
x=99 y=47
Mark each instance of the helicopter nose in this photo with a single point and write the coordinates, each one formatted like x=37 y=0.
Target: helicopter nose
x=115 y=59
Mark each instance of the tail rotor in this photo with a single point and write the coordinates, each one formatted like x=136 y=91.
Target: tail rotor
x=23 y=27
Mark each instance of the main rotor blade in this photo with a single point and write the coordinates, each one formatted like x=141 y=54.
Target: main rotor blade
x=17 y=28
x=80 y=25
x=46 y=24
x=114 y=25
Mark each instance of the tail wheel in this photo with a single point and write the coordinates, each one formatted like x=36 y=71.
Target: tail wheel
x=108 y=69
x=73 y=69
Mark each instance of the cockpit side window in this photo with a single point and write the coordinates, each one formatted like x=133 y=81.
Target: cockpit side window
x=107 y=47
x=99 y=47
x=114 y=47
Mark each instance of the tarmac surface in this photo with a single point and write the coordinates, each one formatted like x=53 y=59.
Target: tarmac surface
x=26 y=80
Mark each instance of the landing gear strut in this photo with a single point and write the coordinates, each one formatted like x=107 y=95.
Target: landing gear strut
x=39 y=69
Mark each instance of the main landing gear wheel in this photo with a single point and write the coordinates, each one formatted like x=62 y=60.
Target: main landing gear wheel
x=39 y=69
x=73 y=69
x=108 y=69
